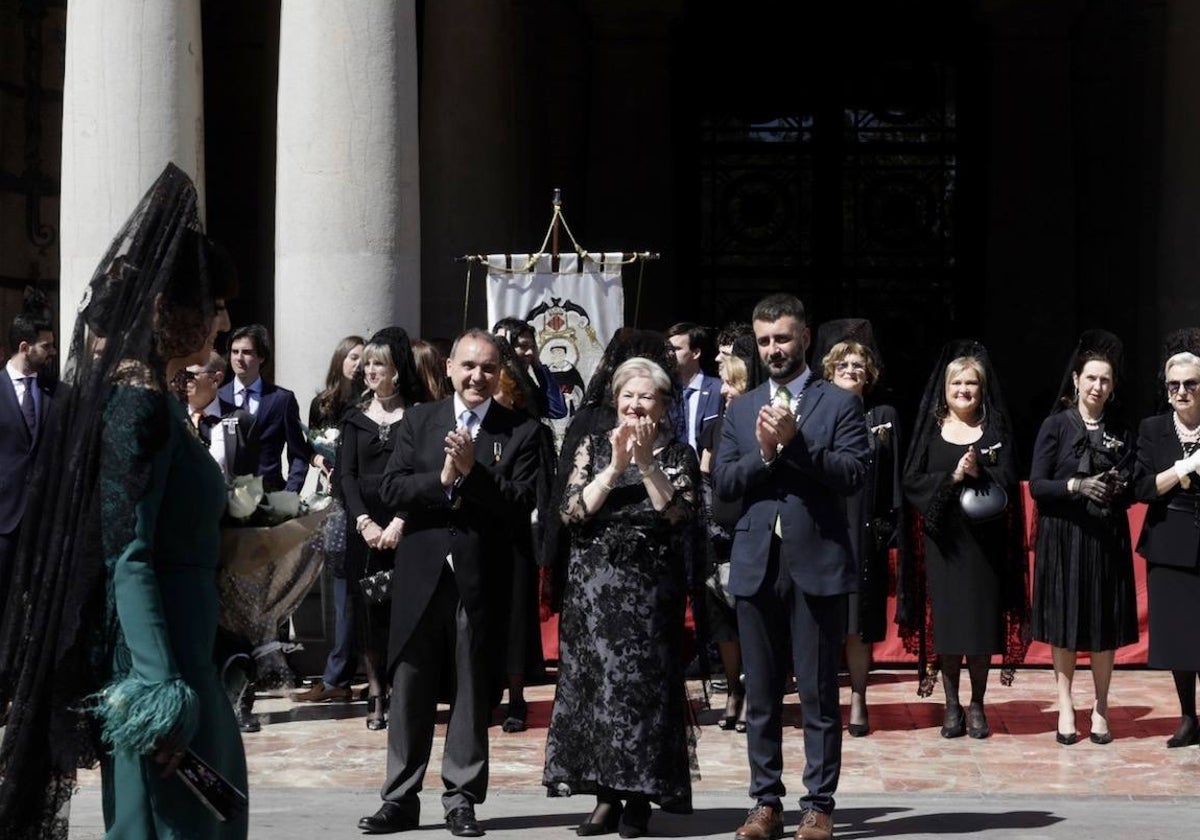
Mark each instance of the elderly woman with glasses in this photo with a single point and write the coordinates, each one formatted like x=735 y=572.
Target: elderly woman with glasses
x=1166 y=478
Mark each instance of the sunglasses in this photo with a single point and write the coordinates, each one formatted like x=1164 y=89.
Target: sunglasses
x=1189 y=385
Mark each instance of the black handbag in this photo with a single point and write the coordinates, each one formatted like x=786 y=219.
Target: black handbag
x=377 y=588
x=983 y=501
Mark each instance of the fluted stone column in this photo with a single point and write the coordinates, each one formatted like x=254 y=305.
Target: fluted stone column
x=1178 y=296
x=132 y=102
x=347 y=236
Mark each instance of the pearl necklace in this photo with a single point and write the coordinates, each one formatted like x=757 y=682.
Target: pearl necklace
x=1091 y=424
x=1184 y=435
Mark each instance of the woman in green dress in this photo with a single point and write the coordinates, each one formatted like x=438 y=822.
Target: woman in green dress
x=117 y=578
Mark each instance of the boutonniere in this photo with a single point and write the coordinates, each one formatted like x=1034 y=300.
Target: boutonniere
x=881 y=431
x=989 y=452
x=1112 y=443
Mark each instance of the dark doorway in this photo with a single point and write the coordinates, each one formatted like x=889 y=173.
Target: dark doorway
x=834 y=159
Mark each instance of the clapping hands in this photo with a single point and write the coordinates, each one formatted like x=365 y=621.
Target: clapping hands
x=633 y=442
x=968 y=464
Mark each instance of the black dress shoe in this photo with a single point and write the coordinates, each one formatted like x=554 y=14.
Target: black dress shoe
x=1066 y=738
x=977 y=723
x=514 y=717
x=954 y=723
x=389 y=819
x=461 y=822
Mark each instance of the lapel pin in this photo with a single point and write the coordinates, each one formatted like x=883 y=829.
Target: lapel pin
x=497 y=451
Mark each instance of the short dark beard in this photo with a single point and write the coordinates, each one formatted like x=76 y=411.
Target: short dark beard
x=794 y=369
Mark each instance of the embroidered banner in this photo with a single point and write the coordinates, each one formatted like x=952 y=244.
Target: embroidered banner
x=574 y=312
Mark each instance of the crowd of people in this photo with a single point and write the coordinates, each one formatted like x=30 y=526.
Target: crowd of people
x=759 y=476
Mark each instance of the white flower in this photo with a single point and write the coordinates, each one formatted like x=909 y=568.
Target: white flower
x=332 y=435
x=245 y=492
x=282 y=504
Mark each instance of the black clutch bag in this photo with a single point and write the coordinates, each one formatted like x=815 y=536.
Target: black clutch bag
x=377 y=588
x=983 y=501
x=218 y=794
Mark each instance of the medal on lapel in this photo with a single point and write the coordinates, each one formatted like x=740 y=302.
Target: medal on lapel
x=497 y=451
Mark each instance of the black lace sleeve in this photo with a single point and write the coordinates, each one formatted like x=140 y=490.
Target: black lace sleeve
x=681 y=467
x=583 y=470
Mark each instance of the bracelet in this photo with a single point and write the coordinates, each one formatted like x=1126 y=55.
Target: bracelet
x=608 y=487
x=650 y=470
x=1072 y=485
x=361 y=523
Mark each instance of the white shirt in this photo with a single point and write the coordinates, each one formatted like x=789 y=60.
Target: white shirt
x=216 y=435
x=480 y=411
x=252 y=398
x=20 y=383
x=693 y=406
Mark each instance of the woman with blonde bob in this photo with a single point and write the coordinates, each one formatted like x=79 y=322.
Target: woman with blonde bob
x=974 y=568
x=618 y=728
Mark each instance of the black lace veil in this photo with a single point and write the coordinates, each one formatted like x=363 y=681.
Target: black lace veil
x=1092 y=344
x=912 y=613
x=149 y=296
x=408 y=384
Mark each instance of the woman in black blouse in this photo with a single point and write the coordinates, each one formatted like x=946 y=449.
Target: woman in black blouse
x=1083 y=591
x=1167 y=466
x=373 y=530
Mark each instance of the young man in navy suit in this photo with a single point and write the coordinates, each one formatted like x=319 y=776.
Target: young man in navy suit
x=701 y=399
x=791 y=451
x=25 y=395
x=275 y=411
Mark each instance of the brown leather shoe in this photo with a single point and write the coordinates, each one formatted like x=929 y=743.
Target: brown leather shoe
x=815 y=825
x=762 y=823
x=318 y=692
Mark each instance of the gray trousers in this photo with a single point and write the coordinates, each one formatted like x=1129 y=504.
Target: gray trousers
x=442 y=642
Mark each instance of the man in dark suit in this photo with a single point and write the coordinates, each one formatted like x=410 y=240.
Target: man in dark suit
x=465 y=472
x=791 y=450
x=227 y=434
x=25 y=396
x=701 y=397
x=275 y=411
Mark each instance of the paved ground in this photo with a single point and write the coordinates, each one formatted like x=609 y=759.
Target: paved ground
x=315 y=770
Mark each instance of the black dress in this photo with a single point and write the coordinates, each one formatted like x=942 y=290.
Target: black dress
x=874 y=514
x=1170 y=542
x=365 y=447
x=1084 y=597
x=619 y=718
x=966 y=563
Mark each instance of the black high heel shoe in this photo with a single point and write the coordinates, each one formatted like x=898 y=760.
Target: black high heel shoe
x=636 y=819
x=733 y=710
x=376 y=719
x=1187 y=734
x=604 y=820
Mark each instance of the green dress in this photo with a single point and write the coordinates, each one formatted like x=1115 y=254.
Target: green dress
x=162 y=497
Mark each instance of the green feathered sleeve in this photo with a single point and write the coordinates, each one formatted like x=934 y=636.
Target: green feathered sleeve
x=146 y=700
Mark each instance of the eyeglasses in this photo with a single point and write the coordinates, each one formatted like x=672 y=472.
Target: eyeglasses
x=191 y=375
x=1189 y=385
x=842 y=367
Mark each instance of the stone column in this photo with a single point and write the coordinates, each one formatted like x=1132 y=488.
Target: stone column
x=347 y=235
x=132 y=102
x=1178 y=295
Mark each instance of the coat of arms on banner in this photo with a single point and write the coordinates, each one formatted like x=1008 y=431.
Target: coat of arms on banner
x=567 y=344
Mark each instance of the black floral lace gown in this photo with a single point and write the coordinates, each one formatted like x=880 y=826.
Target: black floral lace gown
x=619 y=718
